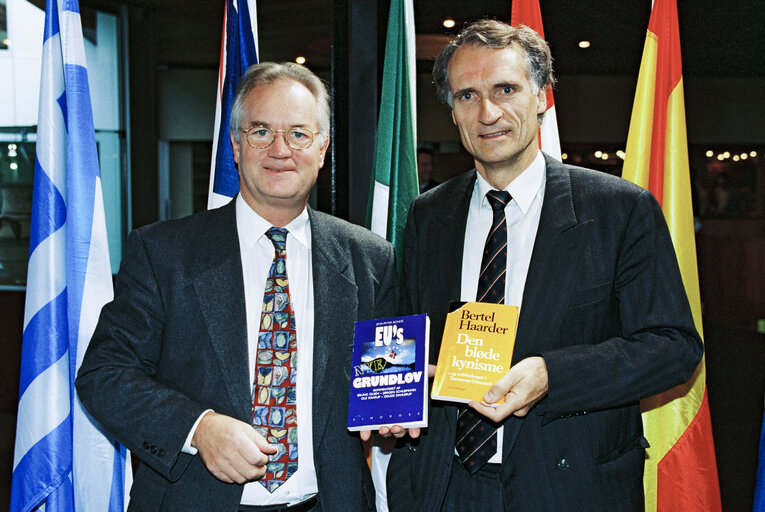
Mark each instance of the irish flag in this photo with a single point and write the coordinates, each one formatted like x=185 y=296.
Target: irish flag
x=527 y=12
x=680 y=471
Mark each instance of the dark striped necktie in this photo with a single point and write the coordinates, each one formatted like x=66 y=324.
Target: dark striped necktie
x=476 y=439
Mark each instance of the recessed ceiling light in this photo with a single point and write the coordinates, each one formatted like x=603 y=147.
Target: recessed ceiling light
x=300 y=60
x=710 y=153
x=448 y=23
x=584 y=44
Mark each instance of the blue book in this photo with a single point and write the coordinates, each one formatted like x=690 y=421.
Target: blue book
x=389 y=376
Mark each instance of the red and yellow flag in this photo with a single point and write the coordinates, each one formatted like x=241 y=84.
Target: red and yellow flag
x=680 y=471
x=527 y=12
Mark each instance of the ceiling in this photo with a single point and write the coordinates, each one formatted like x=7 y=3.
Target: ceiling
x=718 y=38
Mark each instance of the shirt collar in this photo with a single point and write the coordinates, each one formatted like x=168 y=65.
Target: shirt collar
x=523 y=189
x=249 y=223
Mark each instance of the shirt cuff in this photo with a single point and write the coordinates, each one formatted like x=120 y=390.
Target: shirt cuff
x=187 y=448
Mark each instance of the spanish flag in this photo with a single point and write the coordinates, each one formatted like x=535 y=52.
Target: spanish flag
x=527 y=12
x=680 y=471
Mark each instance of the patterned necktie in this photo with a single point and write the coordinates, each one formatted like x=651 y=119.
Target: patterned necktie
x=476 y=439
x=274 y=405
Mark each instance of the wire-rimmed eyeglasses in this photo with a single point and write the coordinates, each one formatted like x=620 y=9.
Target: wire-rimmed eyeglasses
x=260 y=137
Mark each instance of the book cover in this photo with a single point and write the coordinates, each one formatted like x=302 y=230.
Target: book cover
x=476 y=350
x=389 y=373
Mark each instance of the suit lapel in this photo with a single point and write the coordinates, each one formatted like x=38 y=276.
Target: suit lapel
x=335 y=306
x=550 y=276
x=220 y=290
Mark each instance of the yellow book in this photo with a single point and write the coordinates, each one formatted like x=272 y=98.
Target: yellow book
x=476 y=351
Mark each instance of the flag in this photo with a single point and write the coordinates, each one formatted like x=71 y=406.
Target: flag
x=239 y=51
x=527 y=12
x=61 y=458
x=759 y=487
x=680 y=471
x=394 y=183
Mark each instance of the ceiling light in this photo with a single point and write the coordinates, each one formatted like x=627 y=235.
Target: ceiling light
x=753 y=154
x=300 y=60
x=598 y=154
x=710 y=153
x=584 y=44
x=735 y=158
x=564 y=156
x=14 y=166
x=448 y=23
x=621 y=154
x=726 y=154
x=720 y=157
x=744 y=156
x=604 y=156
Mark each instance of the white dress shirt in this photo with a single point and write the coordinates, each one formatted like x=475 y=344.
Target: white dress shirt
x=522 y=217
x=257 y=253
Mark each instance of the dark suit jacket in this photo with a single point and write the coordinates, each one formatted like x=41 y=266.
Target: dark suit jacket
x=173 y=343
x=603 y=304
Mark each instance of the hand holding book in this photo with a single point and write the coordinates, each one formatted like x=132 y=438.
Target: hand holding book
x=522 y=387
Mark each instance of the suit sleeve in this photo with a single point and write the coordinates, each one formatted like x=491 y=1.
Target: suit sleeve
x=118 y=382
x=655 y=345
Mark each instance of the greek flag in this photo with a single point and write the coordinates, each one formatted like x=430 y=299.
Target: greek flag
x=62 y=461
x=239 y=51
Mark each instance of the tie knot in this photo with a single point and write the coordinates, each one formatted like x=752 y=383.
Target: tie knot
x=498 y=199
x=278 y=237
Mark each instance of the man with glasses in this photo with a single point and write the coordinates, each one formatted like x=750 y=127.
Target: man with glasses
x=223 y=362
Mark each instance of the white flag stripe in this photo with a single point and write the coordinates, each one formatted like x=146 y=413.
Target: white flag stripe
x=412 y=59
x=48 y=264
x=73 y=47
x=548 y=133
x=38 y=397
x=97 y=290
x=51 y=147
x=380 y=209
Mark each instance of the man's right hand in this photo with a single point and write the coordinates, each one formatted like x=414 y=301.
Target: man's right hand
x=231 y=449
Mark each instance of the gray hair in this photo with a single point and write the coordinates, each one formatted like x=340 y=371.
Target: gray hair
x=498 y=35
x=269 y=72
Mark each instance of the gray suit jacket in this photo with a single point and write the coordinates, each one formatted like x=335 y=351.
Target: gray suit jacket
x=603 y=304
x=173 y=343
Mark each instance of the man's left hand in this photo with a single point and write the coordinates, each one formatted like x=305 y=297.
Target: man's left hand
x=523 y=386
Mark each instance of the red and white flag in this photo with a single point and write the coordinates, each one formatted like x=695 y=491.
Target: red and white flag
x=527 y=12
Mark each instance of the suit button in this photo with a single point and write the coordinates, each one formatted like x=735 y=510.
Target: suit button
x=153 y=449
x=160 y=452
x=145 y=445
x=563 y=464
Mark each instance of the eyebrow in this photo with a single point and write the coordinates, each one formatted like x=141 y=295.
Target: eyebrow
x=268 y=125
x=459 y=93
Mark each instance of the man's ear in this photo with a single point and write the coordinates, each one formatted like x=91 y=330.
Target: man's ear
x=235 y=147
x=323 y=151
x=542 y=100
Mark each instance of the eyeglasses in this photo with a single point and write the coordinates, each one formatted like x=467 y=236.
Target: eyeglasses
x=260 y=137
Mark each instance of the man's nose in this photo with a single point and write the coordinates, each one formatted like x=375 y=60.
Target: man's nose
x=490 y=112
x=279 y=147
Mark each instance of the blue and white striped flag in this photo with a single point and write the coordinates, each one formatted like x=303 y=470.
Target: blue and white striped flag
x=61 y=458
x=239 y=51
